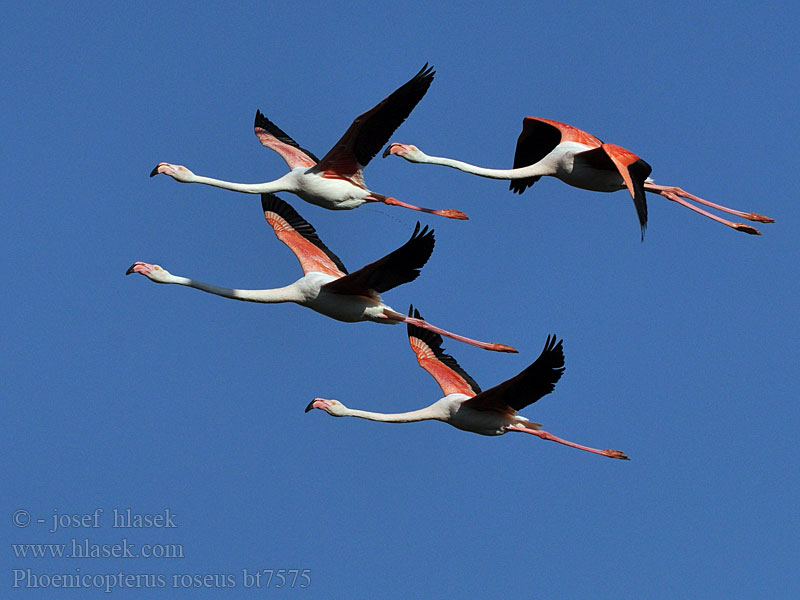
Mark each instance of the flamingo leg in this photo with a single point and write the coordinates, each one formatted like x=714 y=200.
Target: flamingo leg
x=677 y=194
x=549 y=436
x=450 y=213
x=425 y=325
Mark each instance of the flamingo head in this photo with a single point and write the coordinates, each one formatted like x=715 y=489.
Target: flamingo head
x=332 y=407
x=152 y=272
x=177 y=172
x=407 y=151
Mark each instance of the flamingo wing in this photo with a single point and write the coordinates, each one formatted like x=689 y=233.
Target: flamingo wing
x=633 y=170
x=370 y=131
x=537 y=380
x=273 y=137
x=538 y=139
x=398 y=267
x=427 y=346
x=301 y=237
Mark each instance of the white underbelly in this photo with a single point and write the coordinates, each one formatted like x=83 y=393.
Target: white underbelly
x=333 y=194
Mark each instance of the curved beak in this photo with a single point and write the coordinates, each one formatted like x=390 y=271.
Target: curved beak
x=310 y=405
x=154 y=172
x=130 y=269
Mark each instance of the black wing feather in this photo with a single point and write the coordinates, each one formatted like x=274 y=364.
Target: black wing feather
x=381 y=122
x=535 y=142
x=398 y=267
x=270 y=202
x=639 y=172
x=538 y=380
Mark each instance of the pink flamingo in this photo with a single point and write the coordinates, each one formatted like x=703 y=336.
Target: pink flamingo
x=581 y=160
x=325 y=286
x=465 y=406
x=337 y=181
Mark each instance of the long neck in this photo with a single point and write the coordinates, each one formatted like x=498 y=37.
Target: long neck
x=279 y=185
x=284 y=294
x=423 y=414
x=521 y=173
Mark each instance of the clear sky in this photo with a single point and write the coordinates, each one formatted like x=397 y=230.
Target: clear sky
x=680 y=350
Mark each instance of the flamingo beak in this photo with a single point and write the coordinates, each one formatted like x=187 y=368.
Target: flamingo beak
x=154 y=172
x=131 y=269
x=310 y=405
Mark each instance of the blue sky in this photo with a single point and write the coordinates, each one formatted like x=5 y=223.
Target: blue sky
x=680 y=351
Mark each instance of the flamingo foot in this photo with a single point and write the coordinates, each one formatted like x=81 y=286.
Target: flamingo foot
x=748 y=228
x=500 y=348
x=451 y=213
x=615 y=454
x=758 y=218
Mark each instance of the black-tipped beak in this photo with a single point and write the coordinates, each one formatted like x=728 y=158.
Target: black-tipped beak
x=130 y=269
x=154 y=172
x=386 y=152
x=310 y=406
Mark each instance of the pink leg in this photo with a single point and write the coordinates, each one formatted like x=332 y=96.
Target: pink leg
x=549 y=436
x=425 y=325
x=450 y=213
x=676 y=194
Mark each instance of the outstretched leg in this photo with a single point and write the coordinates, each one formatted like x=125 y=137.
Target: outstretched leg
x=450 y=213
x=677 y=194
x=390 y=314
x=549 y=436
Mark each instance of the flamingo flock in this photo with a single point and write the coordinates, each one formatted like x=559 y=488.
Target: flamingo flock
x=336 y=182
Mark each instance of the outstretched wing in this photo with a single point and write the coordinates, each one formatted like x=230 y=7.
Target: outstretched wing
x=297 y=233
x=370 y=131
x=401 y=266
x=538 y=380
x=272 y=136
x=431 y=356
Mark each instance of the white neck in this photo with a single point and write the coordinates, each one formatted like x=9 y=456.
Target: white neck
x=534 y=170
x=284 y=294
x=424 y=414
x=279 y=185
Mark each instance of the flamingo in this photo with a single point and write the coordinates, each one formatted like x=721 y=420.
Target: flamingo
x=581 y=160
x=465 y=406
x=337 y=181
x=325 y=286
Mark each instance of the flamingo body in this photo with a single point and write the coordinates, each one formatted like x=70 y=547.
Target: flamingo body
x=492 y=412
x=550 y=148
x=335 y=182
x=325 y=286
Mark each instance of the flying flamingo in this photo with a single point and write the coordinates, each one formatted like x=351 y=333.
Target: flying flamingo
x=337 y=181
x=465 y=406
x=325 y=286
x=579 y=159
